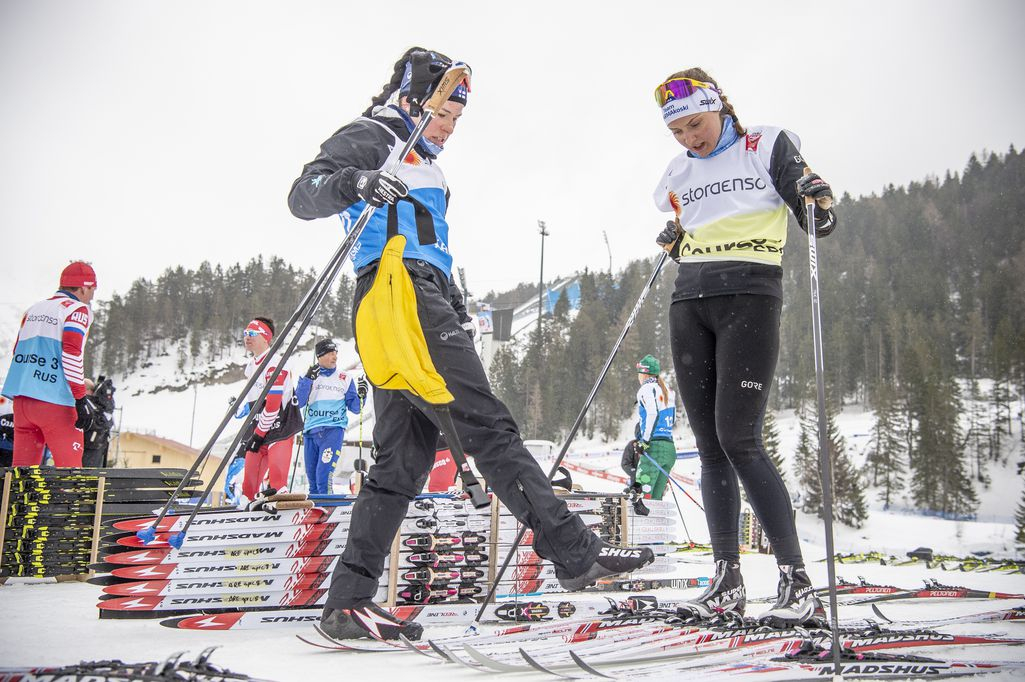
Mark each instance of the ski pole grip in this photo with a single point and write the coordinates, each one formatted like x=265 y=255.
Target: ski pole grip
x=449 y=82
x=668 y=248
x=808 y=200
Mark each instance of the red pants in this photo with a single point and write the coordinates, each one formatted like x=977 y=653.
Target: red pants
x=38 y=423
x=272 y=461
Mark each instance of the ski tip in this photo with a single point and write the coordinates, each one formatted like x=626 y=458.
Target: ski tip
x=878 y=612
x=538 y=667
x=584 y=665
x=147 y=535
x=176 y=539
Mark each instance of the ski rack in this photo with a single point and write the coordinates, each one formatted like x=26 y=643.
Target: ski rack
x=314 y=543
x=52 y=520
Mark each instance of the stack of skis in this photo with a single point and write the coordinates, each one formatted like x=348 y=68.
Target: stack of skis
x=641 y=638
x=446 y=553
x=51 y=519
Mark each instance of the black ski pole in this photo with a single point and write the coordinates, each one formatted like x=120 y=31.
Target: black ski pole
x=147 y=534
x=446 y=84
x=573 y=431
x=825 y=458
x=176 y=539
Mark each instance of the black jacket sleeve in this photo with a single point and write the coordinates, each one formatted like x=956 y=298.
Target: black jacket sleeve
x=324 y=188
x=785 y=167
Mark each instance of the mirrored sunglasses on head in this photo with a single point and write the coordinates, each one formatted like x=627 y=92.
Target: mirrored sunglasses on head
x=680 y=88
x=250 y=332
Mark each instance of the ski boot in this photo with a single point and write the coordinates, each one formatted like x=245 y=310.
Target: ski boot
x=368 y=621
x=611 y=560
x=636 y=497
x=796 y=601
x=724 y=595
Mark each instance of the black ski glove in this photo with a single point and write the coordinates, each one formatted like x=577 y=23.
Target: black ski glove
x=362 y=388
x=256 y=442
x=378 y=187
x=813 y=186
x=669 y=235
x=313 y=372
x=86 y=412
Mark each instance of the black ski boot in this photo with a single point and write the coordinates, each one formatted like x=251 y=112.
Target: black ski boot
x=611 y=560
x=796 y=601
x=725 y=594
x=368 y=621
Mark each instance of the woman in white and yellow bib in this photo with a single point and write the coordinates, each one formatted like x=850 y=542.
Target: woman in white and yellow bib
x=730 y=191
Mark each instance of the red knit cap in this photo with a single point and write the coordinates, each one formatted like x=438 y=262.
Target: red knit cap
x=78 y=274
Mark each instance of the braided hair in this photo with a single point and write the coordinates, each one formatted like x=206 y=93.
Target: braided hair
x=699 y=74
x=396 y=80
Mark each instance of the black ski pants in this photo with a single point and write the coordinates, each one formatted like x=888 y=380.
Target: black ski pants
x=406 y=436
x=724 y=352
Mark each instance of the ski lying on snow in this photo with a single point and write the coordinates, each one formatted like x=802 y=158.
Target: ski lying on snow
x=575 y=629
x=1016 y=613
x=801 y=659
x=529 y=613
x=934 y=590
x=687 y=641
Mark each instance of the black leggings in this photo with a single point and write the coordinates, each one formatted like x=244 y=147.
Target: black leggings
x=724 y=352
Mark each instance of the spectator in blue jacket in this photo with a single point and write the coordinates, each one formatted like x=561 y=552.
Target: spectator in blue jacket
x=326 y=392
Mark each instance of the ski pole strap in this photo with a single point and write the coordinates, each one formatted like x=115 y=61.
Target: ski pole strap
x=478 y=498
x=425 y=233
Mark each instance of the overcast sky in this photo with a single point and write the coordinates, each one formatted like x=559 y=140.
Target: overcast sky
x=139 y=134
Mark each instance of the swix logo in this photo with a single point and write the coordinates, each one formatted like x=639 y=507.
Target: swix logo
x=708 y=102
x=752 y=140
x=616 y=551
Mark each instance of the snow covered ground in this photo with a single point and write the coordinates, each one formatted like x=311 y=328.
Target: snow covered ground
x=57 y=624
